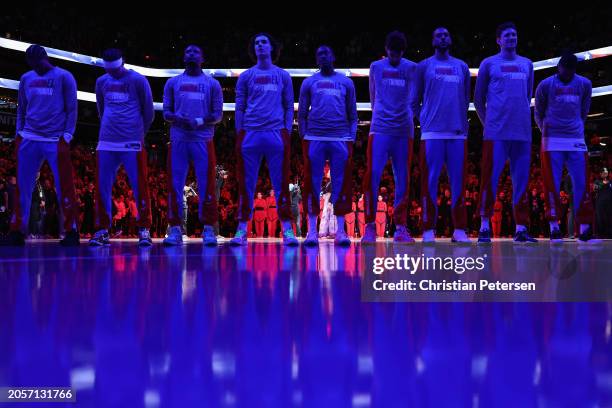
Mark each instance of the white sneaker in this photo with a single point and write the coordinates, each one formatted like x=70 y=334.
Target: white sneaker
x=312 y=239
x=342 y=239
x=429 y=237
x=208 y=236
x=174 y=237
x=369 y=236
x=460 y=237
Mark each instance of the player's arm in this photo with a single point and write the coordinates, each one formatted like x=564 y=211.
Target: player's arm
x=22 y=106
x=168 y=101
x=480 y=93
x=216 y=104
x=585 y=104
x=351 y=108
x=146 y=103
x=417 y=90
x=372 y=86
x=69 y=89
x=303 y=107
x=541 y=103
x=530 y=83
x=100 y=98
x=241 y=100
x=467 y=85
x=288 y=100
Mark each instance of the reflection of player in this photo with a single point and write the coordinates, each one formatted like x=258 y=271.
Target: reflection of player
x=328 y=125
x=442 y=96
x=391 y=134
x=502 y=99
x=264 y=117
x=561 y=108
x=193 y=103
x=46 y=120
x=125 y=106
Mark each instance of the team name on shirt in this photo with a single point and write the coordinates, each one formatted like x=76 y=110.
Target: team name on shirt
x=194 y=91
x=328 y=88
x=393 y=78
x=266 y=83
x=446 y=73
x=512 y=71
x=116 y=92
x=566 y=94
x=41 y=86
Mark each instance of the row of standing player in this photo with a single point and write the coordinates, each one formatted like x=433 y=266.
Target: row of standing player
x=436 y=90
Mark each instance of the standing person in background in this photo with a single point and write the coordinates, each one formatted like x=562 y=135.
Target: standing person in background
x=350 y=220
x=361 y=215
x=259 y=215
x=272 y=214
x=264 y=118
x=381 y=217
x=296 y=200
x=219 y=183
x=4 y=208
x=502 y=99
x=125 y=107
x=603 y=204
x=496 y=220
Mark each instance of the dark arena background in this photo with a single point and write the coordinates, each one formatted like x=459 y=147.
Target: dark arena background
x=264 y=324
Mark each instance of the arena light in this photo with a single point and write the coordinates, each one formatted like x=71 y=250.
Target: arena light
x=234 y=72
x=230 y=107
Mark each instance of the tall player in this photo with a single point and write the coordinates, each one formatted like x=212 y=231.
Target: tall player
x=502 y=98
x=264 y=117
x=391 y=134
x=46 y=120
x=193 y=104
x=442 y=96
x=562 y=104
x=327 y=117
x=125 y=107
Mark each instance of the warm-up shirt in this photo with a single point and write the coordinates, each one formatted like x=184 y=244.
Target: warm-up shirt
x=264 y=97
x=503 y=96
x=390 y=89
x=441 y=98
x=328 y=108
x=47 y=105
x=193 y=97
x=125 y=107
x=560 y=112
